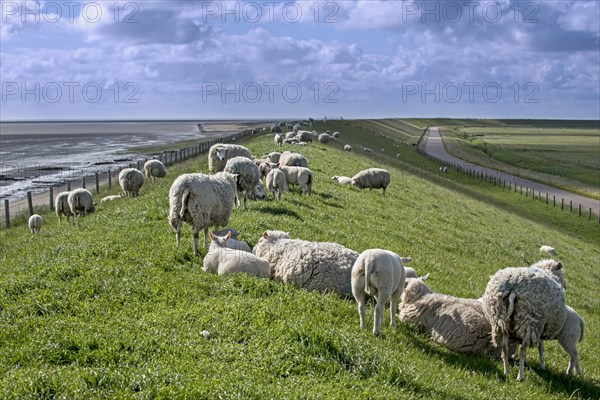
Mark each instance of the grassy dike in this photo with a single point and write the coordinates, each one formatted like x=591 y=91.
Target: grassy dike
x=110 y=308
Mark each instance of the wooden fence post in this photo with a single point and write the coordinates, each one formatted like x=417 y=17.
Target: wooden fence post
x=97 y=183
x=6 y=214
x=83 y=182
x=51 y=198
x=68 y=186
x=30 y=203
x=109 y=180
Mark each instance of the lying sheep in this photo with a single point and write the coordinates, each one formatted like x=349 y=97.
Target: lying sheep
x=378 y=273
x=35 y=223
x=224 y=261
x=457 y=324
x=372 y=178
x=347 y=147
x=367 y=150
x=310 y=265
x=201 y=201
x=223 y=232
x=569 y=335
x=111 y=198
x=324 y=138
x=299 y=176
x=131 y=180
x=248 y=176
x=81 y=202
x=154 y=169
x=290 y=159
x=220 y=153
x=290 y=135
x=276 y=181
x=278 y=139
x=304 y=136
x=548 y=249
x=61 y=206
x=344 y=180
x=525 y=304
x=228 y=241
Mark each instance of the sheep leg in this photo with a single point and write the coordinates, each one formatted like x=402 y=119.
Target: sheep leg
x=383 y=194
x=379 y=311
x=574 y=367
x=361 y=311
x=541 y=351
x=505 y=355
x=394 y=304
x=522 y=357
x=196 y=235
x=178 y=234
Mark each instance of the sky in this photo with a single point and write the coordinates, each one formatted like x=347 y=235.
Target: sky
x=285 y=60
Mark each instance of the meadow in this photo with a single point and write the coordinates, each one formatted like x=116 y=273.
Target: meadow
x=110 y=308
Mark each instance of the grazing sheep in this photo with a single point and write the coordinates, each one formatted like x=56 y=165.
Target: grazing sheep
x=398 y=156
x=278 y=139
x=154 y=169
x=276 y=181
x=299 y=176
x=111 y=198
x=548 y=249
x=224 y=261
x=324 y=138
x=288 y=158
x=305 y=136
x=317 y=266
x=336 y=135
x=457 y=324
x=344 y=180
x=273 y=157
x=81 y=202
x=378 y=273
x=569 y=335
x=61 y=206
x=367 y=150
x=220 y=153
x=228 y=241
x=525 y=304
x=347 y=147
x=372 y=178
x=263 y=168
x=201 y=201
x=35 y=224
x=248 y=176
x=131 y=180
x=258 y=193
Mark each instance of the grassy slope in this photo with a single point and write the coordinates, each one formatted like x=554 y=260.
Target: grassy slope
x=111 y=308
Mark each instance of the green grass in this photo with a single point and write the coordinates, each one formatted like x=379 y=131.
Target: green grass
x=110 y=308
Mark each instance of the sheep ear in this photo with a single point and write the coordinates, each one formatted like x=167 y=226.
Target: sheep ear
x=558 y=266
x=424 y=277
x=265 y=235
x=228 y=235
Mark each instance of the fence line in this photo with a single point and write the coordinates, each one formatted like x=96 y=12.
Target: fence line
x=167 y=157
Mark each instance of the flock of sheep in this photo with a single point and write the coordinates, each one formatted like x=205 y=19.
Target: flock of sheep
x=520 y=308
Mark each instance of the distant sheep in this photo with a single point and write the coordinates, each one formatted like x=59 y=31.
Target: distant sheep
x=154 y=169
x=299 y=176
x=225 y=261
x=276 y=181
x=131 y=180
x=325 y=138
x=367 y=150
x=305 y=136
x=61 y=206
x=372 y=178
x=35 y=223
x=278 y=139
x=548 y=249
x=336 y=135
x=275 y=128
x=248 y=176
x=220 y=153
x=290 y=159
x=398 y=156
x=347 y=147
x=569 y=335
x=111 y=198
x=290 y=135
x=344 y=180
x=81 y=202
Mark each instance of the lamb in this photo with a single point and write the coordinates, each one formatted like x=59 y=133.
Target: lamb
x=220 y=153
x=61 y=206
x=201 y=201
x=568 y=336
x=525 y=304
x=299 y=176
x=548 y=249
x=276 y=181
x=131 y=180
x=367 y=150
x=223 y=232
x=224 y=261
x=154 y=169
x=81 y=202
x=319 y=266
x=278 y=139
x=293 y=160
x=228 y=241
x=273 y=157
x=344 y=180
x=378 y=273
x=263 y=168
x=248 y=176
x=372 y=178
x=455 y=323
x=111 y=198
x=347 y=147
x=35 y=223
x=324 y=138
x=410 y=273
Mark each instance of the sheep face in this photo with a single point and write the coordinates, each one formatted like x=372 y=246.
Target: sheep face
x=220 y=241
x=221 y=154
x=259 y=191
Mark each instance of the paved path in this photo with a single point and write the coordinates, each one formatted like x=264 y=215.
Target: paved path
x=435 y=148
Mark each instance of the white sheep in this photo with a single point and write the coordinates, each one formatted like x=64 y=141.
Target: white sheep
x=220 y=153
x=347 y=147
x=372 y=178
x=299 y=176
x=263 y=167
x=367 y=150
x=305 y=136
x=293 y=159
x=81 y=202
x=61 y=206
x=258 y=193
x=224 y=261
x=378 y=273
x=278 y=139
x=525 y=304
x=398 y=156
x=569 y=335
x=455 y=323
x=276 y=181
x=320 y=266
x=336 y=135
x=111 y=198
x=131 y=180
x=35 y=223
x=234 y=233
x=290 y=135
x=201 y=201
x=273 y=157
x=228 y=241
x=324 y=138
x=248 y=176
x=344 y=180
x=548 y=249
x=154 y=169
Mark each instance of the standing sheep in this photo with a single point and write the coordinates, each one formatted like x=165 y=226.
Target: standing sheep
x=224 y=261
x=273 y=157
x=569 y=335
x=248 y=176
x=299 y=176
x=324 y=138
x=220 y=153
x=61 y=206
x=525 y=304
x=81 y=202
x=131 y=180
x=317 y=266
x=201 y=201
x=293 y=159
x=276 y=181
x=154 y=169
x=347 y=147
x=35 y=223
x=378 y=273
x=372 y=178
x=278 y=140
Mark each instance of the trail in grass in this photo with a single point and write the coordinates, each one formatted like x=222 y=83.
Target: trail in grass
x=435 y=148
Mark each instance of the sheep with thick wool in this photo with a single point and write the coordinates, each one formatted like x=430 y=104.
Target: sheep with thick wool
x=201 y=201
x=61 y=206
x=299 y=176
x=35 y=223
x=372 y=178
x=287 y=158
x=320 y=266
x=81 y=202
x=220 y=153
x=347 y=147
x=248 y=176
x=456 y=323
x=569 y=335
x=305 y=136
x=223 y=260
x=154 y=169
x=131 y=180
x=525 y=304
x=276 y=181
x=378 y=273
